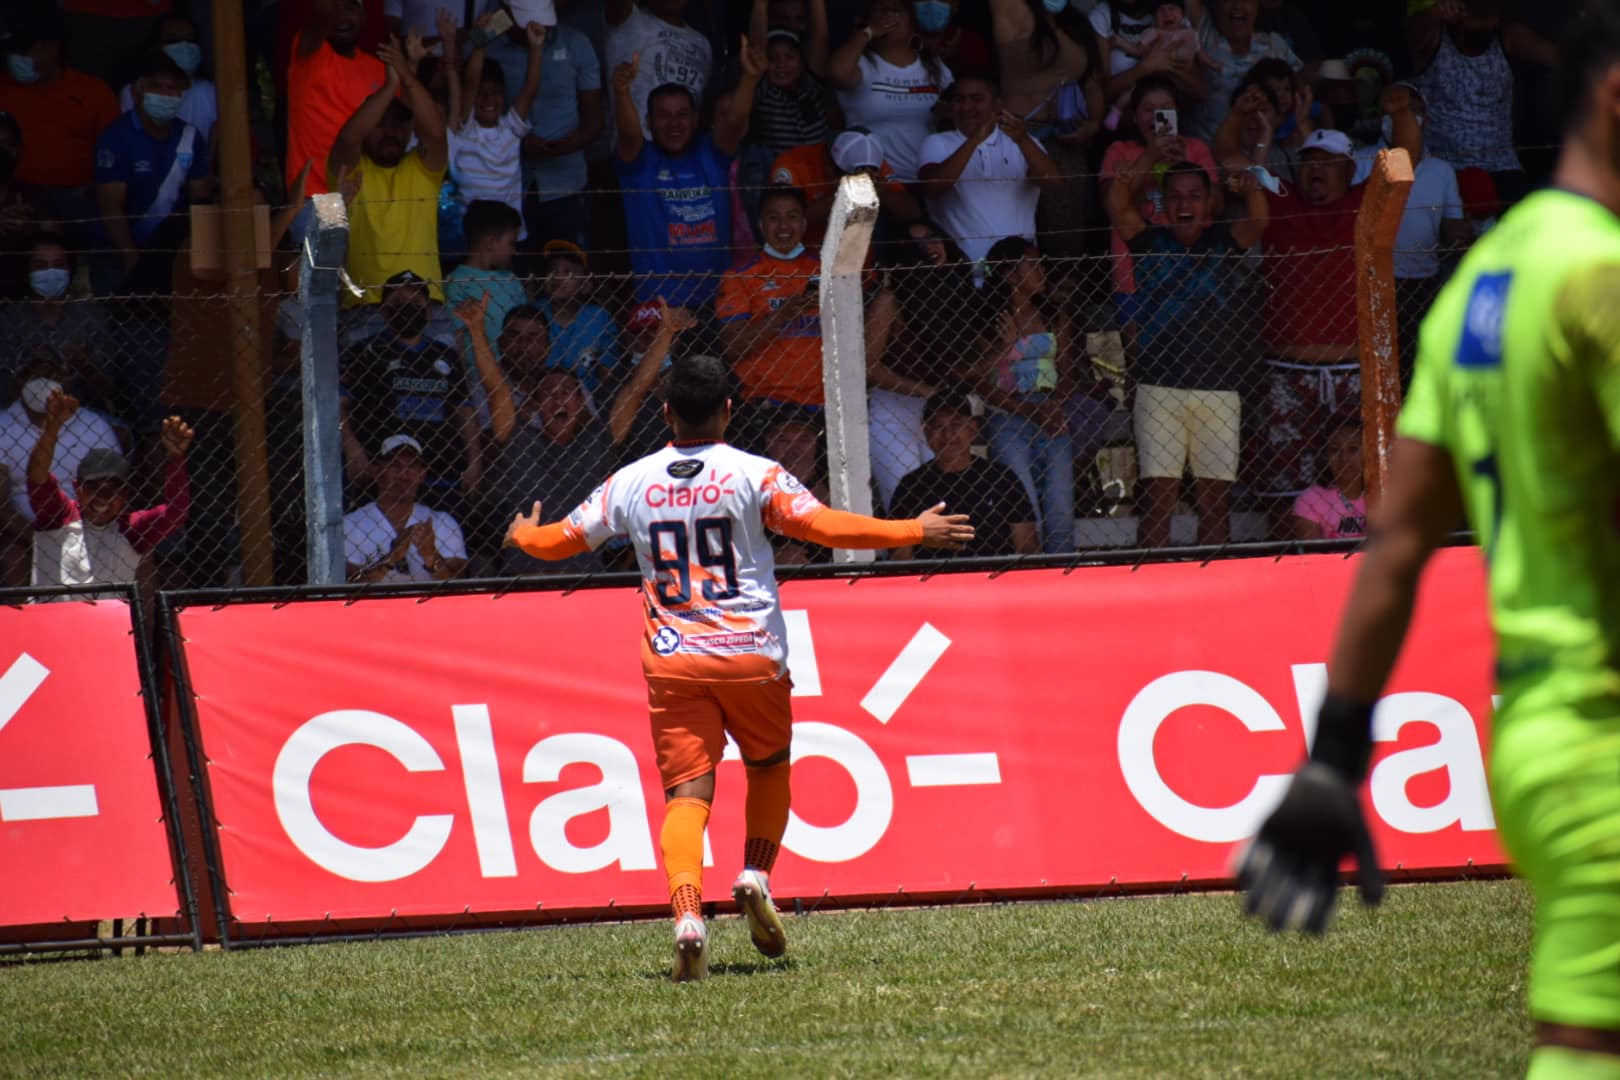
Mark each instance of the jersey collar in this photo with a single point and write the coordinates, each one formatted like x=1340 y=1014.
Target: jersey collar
x=687 y=444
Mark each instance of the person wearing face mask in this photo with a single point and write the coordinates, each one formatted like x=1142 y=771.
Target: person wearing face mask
x=94 y=537
x=176 y=35
x=150 y=166
x=61 y=110
x=46 y=321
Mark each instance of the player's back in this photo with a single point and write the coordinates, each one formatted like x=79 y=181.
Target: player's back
x=697 y=514
x=1518 y=377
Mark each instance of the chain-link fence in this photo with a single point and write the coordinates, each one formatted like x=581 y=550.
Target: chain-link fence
x=1192 y=385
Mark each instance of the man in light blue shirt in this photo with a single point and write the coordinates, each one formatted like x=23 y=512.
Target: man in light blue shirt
x=566 y=118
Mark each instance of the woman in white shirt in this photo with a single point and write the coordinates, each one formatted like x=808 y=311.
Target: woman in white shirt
x=889 y=83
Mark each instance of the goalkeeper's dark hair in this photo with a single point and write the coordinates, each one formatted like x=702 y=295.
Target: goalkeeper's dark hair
x=698 y=388
x=1590 y=49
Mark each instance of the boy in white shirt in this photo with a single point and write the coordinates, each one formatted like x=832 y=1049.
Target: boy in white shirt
x=486 y=136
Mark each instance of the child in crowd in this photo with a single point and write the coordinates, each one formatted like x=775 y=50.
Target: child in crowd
x=492 y=230
x=1338 y=509
x=486 y=136
x=1170 y=25
x=584 y=337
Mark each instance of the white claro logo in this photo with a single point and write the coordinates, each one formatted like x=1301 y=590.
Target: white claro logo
x=1467 y=803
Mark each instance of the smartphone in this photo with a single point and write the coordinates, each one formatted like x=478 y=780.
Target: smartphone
x=1164 y=122
x=499 y=23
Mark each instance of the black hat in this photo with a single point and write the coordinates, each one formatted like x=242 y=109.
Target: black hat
x=103 y=464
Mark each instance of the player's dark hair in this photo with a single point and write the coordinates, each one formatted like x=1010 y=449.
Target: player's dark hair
x=486 y=218
x=1187 y=168
x=669 y=88
x=1591 y=48
x=698 y=388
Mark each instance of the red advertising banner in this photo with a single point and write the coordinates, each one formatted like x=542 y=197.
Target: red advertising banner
x=1036 y=730
x=82 y=834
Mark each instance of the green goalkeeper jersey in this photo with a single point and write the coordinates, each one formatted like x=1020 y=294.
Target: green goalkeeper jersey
x=1518 y=378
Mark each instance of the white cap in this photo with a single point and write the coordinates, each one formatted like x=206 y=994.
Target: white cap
x=525 y=12
x=857 y=150
x=1329 y=141
x=394 y=442
x=1333 y=71
x=37 y=392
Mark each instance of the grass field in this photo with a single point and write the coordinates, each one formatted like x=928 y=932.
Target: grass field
x=1429 y=985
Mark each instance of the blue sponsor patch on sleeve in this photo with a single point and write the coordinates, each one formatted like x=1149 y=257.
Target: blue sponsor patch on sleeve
x=1481 y=343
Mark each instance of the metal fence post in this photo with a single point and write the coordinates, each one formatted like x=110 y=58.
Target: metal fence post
x=843 y=349
x=324 y=249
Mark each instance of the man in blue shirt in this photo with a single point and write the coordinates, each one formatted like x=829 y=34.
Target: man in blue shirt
x=150 y=166
x=676 y=187
x=566 y=118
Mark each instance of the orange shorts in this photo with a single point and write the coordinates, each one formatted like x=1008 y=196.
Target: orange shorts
x=690 y=721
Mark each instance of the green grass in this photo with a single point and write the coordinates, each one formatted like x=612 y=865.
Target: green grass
x=1429 y=985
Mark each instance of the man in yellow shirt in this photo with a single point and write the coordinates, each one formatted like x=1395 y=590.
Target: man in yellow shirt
x=394 y=211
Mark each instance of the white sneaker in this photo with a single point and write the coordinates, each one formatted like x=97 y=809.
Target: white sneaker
x=753 y=896
x=691 y=950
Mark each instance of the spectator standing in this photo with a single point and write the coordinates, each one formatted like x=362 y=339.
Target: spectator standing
x=1126 y=21
x=1196 y=346
x=790 y=102
x=328 y=79
x=888 y=85
x=150 y=166
x=93 y=536
x=982 y=180
x=1235 y=43
x=60 y=109
x=394 y=538
x=584 y=337
x=559 y=452
x=990 y=494
x=928 y=307
x=1029 y=374
x=1337 y=508
x=567 y=117
x=1467 y=81
x=664 y=50
x=486 y=134
x=176 y=35
x=677 y=197
x=1143 y=162
x=48 y=320
x=393 y=217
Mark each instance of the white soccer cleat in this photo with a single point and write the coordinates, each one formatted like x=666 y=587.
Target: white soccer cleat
x=691 y=950
x=753 y=896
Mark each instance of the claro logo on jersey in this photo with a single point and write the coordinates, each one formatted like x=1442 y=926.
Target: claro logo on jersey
x=681 y=496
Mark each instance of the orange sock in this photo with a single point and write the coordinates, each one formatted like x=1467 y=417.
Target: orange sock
x=766 y=811
x=682 y=841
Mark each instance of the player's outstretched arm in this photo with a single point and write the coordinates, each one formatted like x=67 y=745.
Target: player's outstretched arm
x=842 y=529
x=549 y=542
x=1291 y=868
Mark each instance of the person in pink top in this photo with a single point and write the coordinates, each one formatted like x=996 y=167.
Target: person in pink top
x=1156 y=146
x=1337 y=510
x=96 y=538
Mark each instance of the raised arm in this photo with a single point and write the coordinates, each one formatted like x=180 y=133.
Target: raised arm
x=627 y=403
x=1406 y=132
x=59 y=407
x=844 y=65
x=460 y=101
x=536 y=35
x=1043 y=171
x=625 y=117
x=731 y=118
x=841 y=529
x=1425 y=29
x=497 y=390
x=1248 y=229
x=1123 y=200
x=345 y=153
x=618 y=11
x=938 y=178
x=815 y=53
x=431 y=142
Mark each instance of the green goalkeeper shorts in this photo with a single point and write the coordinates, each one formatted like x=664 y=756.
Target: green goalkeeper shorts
x=1555 y=781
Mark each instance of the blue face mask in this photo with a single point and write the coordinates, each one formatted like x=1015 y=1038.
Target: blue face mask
x=1054 y=6
x=932 y=16
x=22 y=68
x=794 y=254
x=50 y=283
x=160 y=108
x=187 y=54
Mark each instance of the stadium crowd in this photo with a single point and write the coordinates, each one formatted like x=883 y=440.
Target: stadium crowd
x=1102 y=223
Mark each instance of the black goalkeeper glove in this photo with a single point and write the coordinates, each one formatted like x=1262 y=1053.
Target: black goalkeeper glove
x=1290 y=870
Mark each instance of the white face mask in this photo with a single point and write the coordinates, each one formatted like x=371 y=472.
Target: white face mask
x=775 y=254
x=50 y=283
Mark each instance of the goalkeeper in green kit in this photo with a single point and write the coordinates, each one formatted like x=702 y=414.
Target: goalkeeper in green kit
x=1514 y=419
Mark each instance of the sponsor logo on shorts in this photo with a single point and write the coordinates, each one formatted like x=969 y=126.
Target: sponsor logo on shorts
x=722 y=643
x=666 y=641
x=685 y=468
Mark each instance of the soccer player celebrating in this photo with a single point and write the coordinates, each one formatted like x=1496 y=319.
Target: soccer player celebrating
x=1514 y=417
x=715 y=651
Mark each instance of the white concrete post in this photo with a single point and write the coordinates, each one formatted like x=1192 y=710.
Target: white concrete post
x=843 y=349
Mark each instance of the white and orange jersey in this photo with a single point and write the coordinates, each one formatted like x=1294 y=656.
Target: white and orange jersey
x=697 y=513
